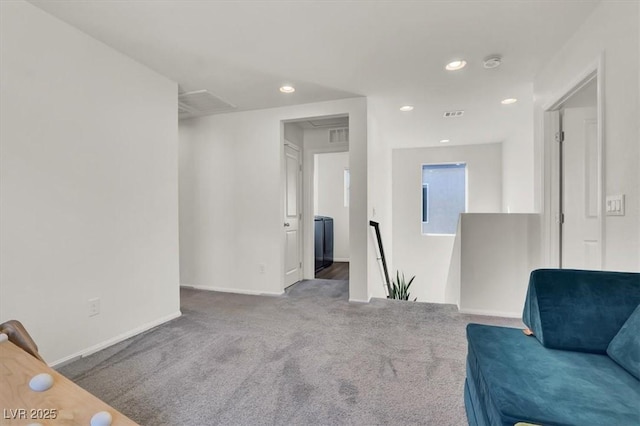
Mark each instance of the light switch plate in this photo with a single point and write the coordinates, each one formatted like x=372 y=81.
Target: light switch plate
x=615 y=205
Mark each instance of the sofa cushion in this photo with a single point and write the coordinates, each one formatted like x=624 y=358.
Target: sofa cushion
x=579 y=310
x=625 y=346
x=519 y=380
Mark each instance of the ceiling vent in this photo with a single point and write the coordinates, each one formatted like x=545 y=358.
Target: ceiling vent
x=452 y=114
x=329 y=122
x=339 y=135
x=201 y=102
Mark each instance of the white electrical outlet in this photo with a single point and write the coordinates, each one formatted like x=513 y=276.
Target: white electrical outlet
x=262 y=267
x=94 y=307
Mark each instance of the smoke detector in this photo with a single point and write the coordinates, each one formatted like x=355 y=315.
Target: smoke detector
x=492 y=61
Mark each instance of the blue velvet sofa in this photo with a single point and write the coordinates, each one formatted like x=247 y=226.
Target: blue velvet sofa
x=580 y=365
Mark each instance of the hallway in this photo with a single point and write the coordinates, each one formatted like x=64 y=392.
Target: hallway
x=337 y=271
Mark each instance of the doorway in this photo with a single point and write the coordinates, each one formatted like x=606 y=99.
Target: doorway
x=576 y=177
x=323 y=145
x=331 y=184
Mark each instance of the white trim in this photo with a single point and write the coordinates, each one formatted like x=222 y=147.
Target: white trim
x=341 y=259
x=583 y=78
x=487 y=313
x=117 y=339
x=359 y=301
x=328 y=150
x=600 y=78
x=346 y=187
x=291 y=145
x=594 y=70
x=233 y=290
x=307 y=200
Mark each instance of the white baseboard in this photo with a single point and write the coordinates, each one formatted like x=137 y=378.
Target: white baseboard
x=233 y=290
x=487 y=313
x=250 y=292
x=117 y=339
x=341 y=259
x=351 y=300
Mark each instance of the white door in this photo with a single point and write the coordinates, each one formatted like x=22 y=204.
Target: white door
x=292 y=215
x=581 y=245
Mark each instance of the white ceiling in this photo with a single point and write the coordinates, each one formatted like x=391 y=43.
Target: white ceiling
x=393 y=52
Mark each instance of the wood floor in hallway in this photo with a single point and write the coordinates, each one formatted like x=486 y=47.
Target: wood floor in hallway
x=337 y=271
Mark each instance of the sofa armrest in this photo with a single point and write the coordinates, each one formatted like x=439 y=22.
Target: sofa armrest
x=579 y=310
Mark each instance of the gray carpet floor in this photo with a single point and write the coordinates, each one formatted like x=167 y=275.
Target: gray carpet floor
x=308 y=357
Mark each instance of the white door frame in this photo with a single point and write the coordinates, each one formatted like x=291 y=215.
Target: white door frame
x=308 y=169
x=307 y=194
x=551 y=234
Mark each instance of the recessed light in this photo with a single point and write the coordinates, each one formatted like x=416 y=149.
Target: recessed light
x=445 y=141
x=456 y=65
x=508 y=101
x=287 y=89
x=406 y=108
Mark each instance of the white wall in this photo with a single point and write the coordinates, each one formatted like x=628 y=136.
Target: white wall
x=611 y=31
x=294 y=134
x=329 y=171
x=232 y=218
x=517 y=160
x=389 y=129
x=380 y=193
x=207 y=186
x=316 y=141
x=89 y=196
x=428 y=256
x=497 y=254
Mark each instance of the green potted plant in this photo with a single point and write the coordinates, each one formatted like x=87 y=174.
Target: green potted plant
x=400 y=288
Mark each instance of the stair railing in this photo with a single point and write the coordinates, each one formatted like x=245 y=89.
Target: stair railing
x=376 y=226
